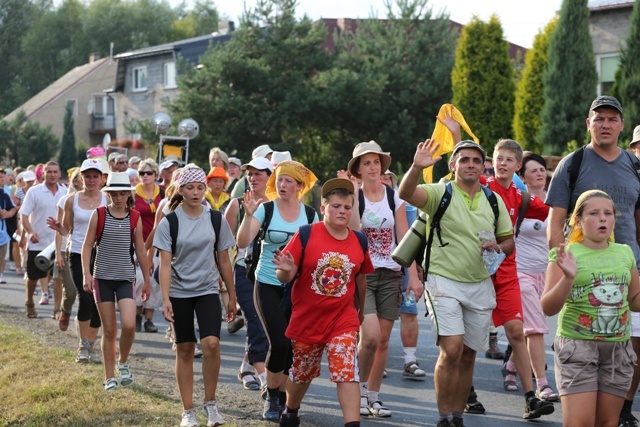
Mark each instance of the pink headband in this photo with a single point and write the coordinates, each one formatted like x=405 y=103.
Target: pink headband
x=190 y=175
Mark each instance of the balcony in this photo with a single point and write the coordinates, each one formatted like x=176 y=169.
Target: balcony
x=103 y=123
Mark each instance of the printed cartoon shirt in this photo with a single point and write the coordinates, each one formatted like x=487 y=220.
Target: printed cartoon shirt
x=597 y=307
x=378 y=224
x=323 y=295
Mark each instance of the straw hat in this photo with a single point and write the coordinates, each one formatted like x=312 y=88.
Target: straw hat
x=118 y=181
x=366 y=148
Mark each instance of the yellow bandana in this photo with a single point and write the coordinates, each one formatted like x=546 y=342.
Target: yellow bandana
x=140 y=192
x=295 y=170
x=222 y=199
x=576 y=232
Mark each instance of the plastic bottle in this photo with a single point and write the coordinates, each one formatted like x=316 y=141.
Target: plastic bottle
x=490 y=257
x=410 y=299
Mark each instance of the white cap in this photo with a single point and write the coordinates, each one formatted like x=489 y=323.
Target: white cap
x=235 y=161
x=261 y=151
x=91 y=164
x=28 y=176
x=278 y=157
x=166 y=165
x=134 y=159
x=259 y=163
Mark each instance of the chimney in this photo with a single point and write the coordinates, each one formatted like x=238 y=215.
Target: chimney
x=225 y=26
x=93 y=57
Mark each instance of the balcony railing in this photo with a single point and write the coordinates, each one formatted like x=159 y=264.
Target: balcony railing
x=103 y=121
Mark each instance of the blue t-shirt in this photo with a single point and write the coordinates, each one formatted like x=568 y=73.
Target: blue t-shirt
x=277 y=236
x=5 y=203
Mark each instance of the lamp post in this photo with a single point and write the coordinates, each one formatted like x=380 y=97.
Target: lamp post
x=187 y=130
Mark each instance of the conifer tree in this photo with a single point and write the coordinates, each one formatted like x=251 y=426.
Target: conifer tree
x=67 y=157
x=569 y=80
x=628 y=76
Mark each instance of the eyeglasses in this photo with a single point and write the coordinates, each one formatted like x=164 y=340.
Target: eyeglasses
x=143 y=173
x=279 y=237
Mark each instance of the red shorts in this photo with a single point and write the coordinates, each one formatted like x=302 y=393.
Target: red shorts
x=342 y=357
x=508 y=299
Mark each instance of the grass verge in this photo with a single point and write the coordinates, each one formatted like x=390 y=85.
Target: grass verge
x=43 y=386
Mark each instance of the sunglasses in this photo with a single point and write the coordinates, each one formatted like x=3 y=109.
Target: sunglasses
x=143 y=173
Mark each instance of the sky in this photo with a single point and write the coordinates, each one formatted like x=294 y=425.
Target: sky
x=521 y=19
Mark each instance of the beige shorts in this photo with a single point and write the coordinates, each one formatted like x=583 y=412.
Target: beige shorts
x=384 y=293
x=588 y=366
x=457 y=308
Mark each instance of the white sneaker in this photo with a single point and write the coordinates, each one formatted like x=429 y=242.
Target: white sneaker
x=189 y=418
x=126 y=377
x=83 y=354
x=214 y=418
x=94 y=356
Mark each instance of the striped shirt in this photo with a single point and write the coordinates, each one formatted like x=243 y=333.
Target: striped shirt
x=113 y=256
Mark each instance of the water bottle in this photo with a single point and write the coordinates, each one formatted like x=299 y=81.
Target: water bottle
x=490 y=257
x=410 y=299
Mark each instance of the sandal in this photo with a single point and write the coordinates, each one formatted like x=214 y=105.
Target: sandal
x=31 y=310
x=377 y=410
x=547 y=393
x=509 y=385
x=473 y=406
x=111 y=384
x=55 y=314
x=248 y=380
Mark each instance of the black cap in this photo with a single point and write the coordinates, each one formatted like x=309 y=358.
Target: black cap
x=606 y=101
x=468 y=144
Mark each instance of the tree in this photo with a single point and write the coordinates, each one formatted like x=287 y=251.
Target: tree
x=529 y=96
x=482 y=80
x=67 y=157
x=391 y=78
x=628 y=75
x=201 y=20
x=259 y=87
x=26 y=142
x=569 y=80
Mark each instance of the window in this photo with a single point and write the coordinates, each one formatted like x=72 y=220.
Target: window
x=74 y=107
x=607 y=66
x=140 y=78
x=169 y=76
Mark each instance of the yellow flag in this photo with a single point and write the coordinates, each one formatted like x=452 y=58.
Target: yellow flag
x=444 y=136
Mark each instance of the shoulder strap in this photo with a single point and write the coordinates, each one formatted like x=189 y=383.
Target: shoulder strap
x=574 y=171
x=268 y=214
x=391 y=199
x=435 y=223
x=216 y=222
x=134 y=215
x=524 y=205
x=364 y=243
x=173 y=230
x=311 y=214
x=493 y=201
x=360 y=203
x=102 y=216
x=635 y=162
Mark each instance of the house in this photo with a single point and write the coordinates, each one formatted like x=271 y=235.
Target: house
x=84 y=89
x=609 y=22
x=146 y=78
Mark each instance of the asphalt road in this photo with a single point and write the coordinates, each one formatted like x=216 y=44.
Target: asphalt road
x=412 y=402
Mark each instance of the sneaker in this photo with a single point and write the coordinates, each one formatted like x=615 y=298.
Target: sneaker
x=149 y=326
x=364 y=406
x=627 y=421
x=197 y=353
x=270 y=412
x=44 y=299
x=456 y=422
x=189 y=418
x=444 y=423
x=377 y=410
x=535 y=408
x=94 y=356
x=412 y=371
x=289 y=420
x=211 y=412
x=111 y=384
x=235 y=325
x=82 y=356
x=63 y=321
x=138 y=322
x=126 y=377
x=494 y=351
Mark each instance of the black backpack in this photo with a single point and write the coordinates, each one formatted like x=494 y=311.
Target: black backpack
x=253 y=252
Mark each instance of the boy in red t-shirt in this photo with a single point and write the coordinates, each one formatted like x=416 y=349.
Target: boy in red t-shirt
x=326 y=309
x=507 y=159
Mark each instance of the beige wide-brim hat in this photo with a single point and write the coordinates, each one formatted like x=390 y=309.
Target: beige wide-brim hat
x=636 y=136
x=366 y=148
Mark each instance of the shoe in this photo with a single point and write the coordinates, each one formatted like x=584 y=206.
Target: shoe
x=547 y=393
x=31 y=310
x=63 y=321
x=289 y=420
x=473 y=405
x=535 y=408
x=248 y=380
x=210 y=410
x=456 y=422
x=627 y=421
x=364 y=406
x=509 y=385
x=149 y=326
x=412 y=371
x=44 y=299
x=444 y=423
x=197 y=353
x=377 y=410
x=384 y=374
x=126 y=377
x=270 y=412
x=494 y=351
x=189 y=418
x=82 y=356
x=138 y=322
x=111 y=384
x=235 y=325
x=94 y=357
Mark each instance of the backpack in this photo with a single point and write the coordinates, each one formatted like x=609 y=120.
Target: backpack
x=253 y=254
x=304 y=234
x=524 y=205
x=390 y=199
x=216 y=222
x=134 y=215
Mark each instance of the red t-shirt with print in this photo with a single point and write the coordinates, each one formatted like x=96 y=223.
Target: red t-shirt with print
x=323 y=295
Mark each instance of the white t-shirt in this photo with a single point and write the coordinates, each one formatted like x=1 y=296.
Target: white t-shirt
x=81 y=219
x=532 y=248
x=378 y=224
x=39 y=204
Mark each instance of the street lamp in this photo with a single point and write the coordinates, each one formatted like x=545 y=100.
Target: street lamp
x=187 y=130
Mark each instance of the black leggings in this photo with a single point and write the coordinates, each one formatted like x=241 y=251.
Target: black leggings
x=87 y=309
x=275 y=321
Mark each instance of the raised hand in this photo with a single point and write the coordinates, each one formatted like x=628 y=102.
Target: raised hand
x=452 y=125
x=566 y=262
x=424 y=156
x=283 y=261
x=250 y=205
